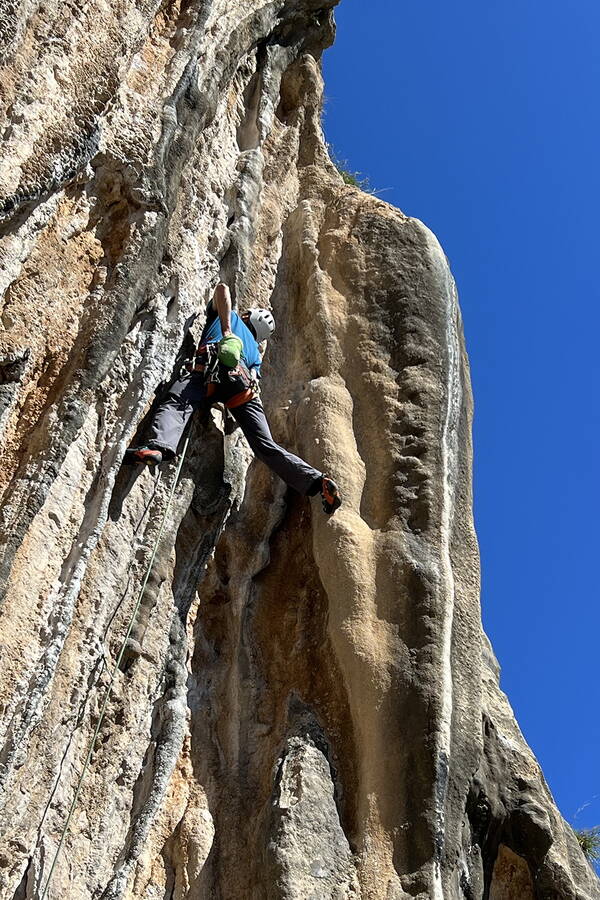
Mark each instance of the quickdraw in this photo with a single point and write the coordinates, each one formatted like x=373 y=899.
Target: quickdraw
x=205 y=361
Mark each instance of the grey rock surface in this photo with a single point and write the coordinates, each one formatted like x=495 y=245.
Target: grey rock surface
x=310 y=854
x=307 y=706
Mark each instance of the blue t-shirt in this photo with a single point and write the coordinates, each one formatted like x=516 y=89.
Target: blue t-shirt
x=214 y=332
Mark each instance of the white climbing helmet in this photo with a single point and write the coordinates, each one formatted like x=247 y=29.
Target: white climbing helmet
x=262 y=322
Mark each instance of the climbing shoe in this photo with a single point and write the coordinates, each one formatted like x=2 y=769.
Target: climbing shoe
x=331 y=495
x=147 y=456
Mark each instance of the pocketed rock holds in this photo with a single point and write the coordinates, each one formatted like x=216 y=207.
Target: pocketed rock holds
x=310 y=707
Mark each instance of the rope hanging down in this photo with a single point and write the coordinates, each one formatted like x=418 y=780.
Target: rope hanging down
x=115 y=670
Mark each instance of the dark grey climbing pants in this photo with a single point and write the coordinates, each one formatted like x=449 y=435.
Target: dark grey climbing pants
x=188 y=394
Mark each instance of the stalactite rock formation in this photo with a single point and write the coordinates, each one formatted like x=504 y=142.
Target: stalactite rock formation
x=307 y=706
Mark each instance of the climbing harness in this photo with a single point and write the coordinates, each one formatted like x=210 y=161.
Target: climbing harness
x=227 y=383
x=108 y=691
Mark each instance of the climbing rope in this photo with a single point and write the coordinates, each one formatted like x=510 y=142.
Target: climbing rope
x=115 y=670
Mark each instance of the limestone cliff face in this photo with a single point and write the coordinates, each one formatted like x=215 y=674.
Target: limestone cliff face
x=308 y=707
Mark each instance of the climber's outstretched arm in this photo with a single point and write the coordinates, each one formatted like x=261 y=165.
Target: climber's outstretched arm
x=222 y=303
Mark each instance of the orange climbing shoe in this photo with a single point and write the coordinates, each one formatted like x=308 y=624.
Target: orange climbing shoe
x=147 y=456
x=331 y=495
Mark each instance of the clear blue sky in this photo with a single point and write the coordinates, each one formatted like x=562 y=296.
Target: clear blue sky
x=482 y=119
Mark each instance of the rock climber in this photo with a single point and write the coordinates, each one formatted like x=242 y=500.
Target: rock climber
x=226 y=370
